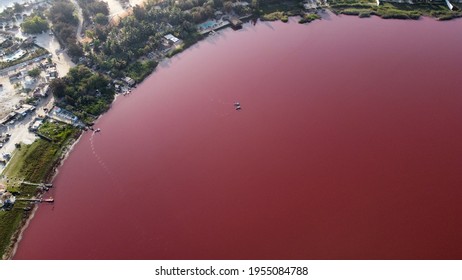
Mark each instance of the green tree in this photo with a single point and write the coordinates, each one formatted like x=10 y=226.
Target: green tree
x=74 y=50
x=90 y=34
x=58 y=87
x=34 y=72
x=62 y=12
x=99 y=7
x=101 y=19
x=34 y=25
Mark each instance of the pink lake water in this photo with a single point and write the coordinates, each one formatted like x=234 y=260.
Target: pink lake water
x=348 y=146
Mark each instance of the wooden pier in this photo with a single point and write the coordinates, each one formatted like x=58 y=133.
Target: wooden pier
x=37 y=200
x=37 y=184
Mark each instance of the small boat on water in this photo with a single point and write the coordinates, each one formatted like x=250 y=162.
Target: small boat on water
x=98 y=130
x=238 y=107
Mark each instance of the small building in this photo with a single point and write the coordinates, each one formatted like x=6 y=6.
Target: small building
x=235 y=23
x=52 y=72
x=172 y=39
x=65 y=116
x=36 y=124
x=129 y=81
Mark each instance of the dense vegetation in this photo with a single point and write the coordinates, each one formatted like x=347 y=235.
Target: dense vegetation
x=114 y=48
x=83 y=92
x=91 y=8
x=141 y=69
x=62 y=15
x=34 y=25
x=139 y=34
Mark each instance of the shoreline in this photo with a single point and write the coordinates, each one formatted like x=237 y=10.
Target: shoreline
x=54 y=172
x=15 y=239
x=65 y=153
x=17 y=235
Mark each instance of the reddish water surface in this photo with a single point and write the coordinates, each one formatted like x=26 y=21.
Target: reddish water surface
x=348 y=146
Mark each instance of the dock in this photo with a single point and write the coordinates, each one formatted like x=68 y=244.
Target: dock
x=37 y=200
x=235 y=23
x=37 y=184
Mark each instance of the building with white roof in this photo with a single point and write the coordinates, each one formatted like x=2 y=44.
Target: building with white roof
x=174 y=40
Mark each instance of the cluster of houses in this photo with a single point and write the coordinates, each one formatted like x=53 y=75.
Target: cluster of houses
x=12 y=48
x=23 y=77
x=11 y=21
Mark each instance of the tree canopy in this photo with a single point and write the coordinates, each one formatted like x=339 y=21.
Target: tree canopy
x=34 y=25
x=83 y=92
